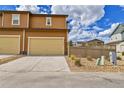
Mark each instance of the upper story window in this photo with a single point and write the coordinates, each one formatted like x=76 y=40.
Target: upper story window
x=48 y=21
x=15 y=19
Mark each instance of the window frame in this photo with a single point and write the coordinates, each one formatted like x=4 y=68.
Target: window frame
x=48 y=18
x=17 y=18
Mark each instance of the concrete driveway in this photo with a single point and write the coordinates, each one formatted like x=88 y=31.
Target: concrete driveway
x=53 y=72
x=36 y=64
x=61 y=80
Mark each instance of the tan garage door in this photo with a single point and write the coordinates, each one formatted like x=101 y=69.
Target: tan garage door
x=9 y=44
x=46 y=46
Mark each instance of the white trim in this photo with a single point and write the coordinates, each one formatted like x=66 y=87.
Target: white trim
x=49 y=18
x=18 y=19
x=68 y=45
x=28 y=50
x=66 y=24
x=10 y=36
x=23 y=40
x=48 y=37
x=19 y=45
x=63 y=46
x=28 y=21
x=2 y=19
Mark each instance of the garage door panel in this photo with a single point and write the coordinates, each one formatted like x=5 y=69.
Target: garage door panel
x=9 y=45
x=46 y=46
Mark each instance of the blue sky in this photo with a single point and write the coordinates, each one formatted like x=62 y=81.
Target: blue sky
x=85 y=22
x=113 y=14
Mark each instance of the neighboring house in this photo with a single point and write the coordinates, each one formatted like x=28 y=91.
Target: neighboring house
x=22 y=32
x=76 y=44
x=94 y=42
x=117 y=38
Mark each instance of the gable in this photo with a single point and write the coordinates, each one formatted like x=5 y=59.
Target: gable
x=119 y=29
x=96 y=40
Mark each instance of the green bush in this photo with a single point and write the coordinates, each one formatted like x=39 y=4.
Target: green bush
x=78 y=62
x=118 y=58
x=122 y=53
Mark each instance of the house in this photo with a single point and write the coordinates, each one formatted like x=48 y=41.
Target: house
x=76 y=44
x=94 y=42
x=117 y=38
x=22 y=32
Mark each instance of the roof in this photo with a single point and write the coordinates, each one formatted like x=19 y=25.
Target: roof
x=11 y=11
x=115 y=42
x=48 y=15
x=90 y=41
x=95 y=40
x=118 y=29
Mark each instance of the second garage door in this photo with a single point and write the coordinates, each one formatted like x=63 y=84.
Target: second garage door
x=9 y=44
x=46 y=46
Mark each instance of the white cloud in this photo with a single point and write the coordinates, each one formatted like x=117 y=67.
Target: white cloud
x=109 y=31
x=31 y=8
x=82 y=16
x=121 y=5
x=86 y=14
x=82 y=35
x=97 y=28
x=87 y=35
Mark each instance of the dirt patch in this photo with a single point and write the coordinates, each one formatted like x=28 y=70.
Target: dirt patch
x=9 y=59
x=90 y=66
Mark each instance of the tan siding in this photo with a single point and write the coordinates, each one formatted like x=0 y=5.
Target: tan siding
x=40 y=22
x=59 y=22
x=8 y=20
x=37 y=22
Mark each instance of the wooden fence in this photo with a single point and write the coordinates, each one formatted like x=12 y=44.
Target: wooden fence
x=93 y=52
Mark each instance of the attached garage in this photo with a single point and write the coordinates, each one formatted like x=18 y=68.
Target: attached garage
x=45 y=45
x=9 y=44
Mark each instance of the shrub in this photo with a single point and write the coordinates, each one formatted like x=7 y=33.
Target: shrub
x=89 y=58
x=70 y=43
x=122 y=53
x=118 y=58
x=77 y=62
x=73 y=57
